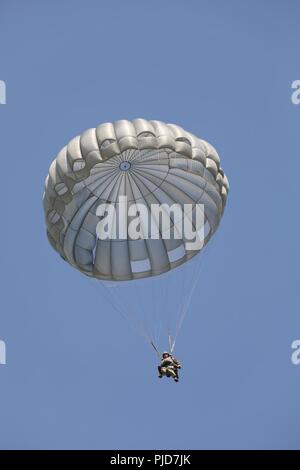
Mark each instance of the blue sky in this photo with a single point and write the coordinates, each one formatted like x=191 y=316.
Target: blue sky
x=76 y=375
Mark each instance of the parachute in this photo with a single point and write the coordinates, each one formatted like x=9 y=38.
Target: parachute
x=114 y=175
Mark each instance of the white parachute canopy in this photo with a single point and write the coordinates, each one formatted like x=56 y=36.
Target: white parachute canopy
x=149 y=164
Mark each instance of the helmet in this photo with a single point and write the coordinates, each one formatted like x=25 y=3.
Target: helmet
x=165 y=353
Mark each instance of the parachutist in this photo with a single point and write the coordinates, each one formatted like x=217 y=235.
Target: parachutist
x=169 y=366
